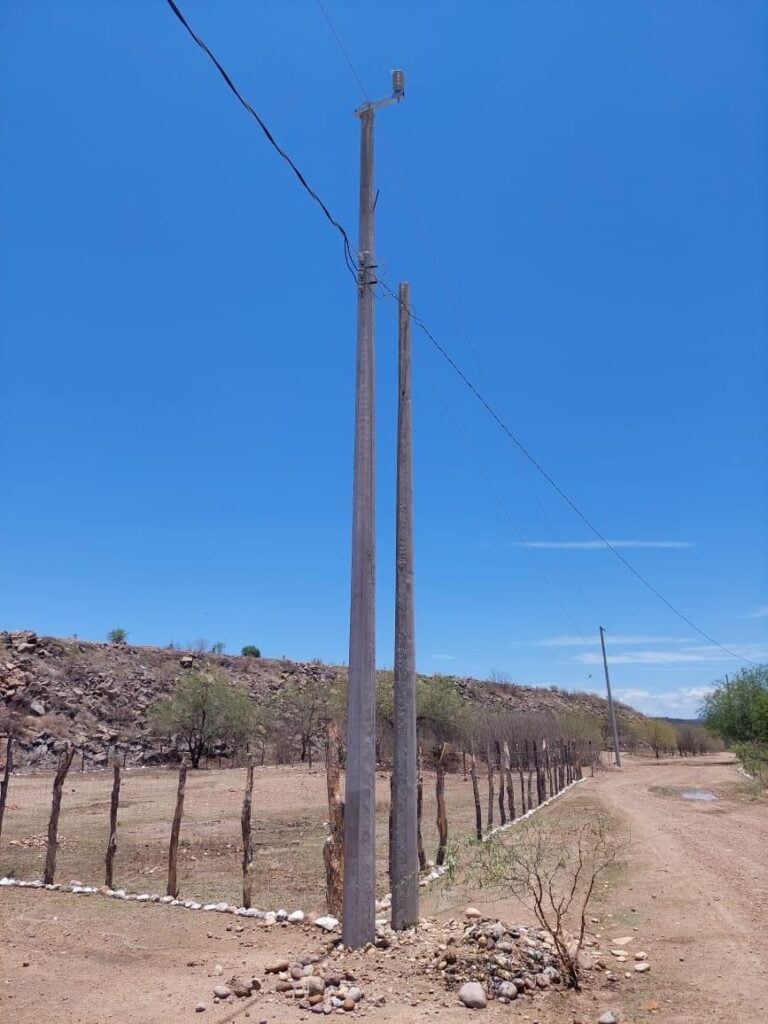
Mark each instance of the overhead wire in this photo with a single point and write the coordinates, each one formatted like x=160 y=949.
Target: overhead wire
x=553 y=483
x=440 y=348
x=348 y=258
x=451 y=296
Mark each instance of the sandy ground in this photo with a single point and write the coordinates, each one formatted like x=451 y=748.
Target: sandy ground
x=290 y=806
x=694 y=889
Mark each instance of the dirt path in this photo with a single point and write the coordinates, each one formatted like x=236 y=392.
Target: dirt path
x=698 y=882
x=694 y=897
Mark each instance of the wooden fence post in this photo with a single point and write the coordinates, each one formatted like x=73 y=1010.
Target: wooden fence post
x=592 y=759
x=173 y=849
x=245 y=828
x=476 y=795
x=114 y=803
x=500 y=766
x=333 y=848
x=508 y=779
x=6 y=777
x=519 y=757
x=419 y=809
x=491 y=791
x=529 y=769
x=537 y=768
x=442 y=816
x=53 y=822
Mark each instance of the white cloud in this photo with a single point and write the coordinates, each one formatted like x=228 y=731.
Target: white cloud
x=615 y=639
x=688 y=655
x=682 y=703
x=443 y=657
x=758 y=613
x=630 y=695
x=598 y=545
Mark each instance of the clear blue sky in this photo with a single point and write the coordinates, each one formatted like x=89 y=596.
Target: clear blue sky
x=178 y=327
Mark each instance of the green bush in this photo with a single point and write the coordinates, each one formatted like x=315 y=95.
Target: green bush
x=205 y=709
x=249 y=651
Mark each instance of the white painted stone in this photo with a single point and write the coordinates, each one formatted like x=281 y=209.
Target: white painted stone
x=327 y=923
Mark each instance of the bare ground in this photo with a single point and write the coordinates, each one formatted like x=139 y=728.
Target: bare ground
x=695 y=890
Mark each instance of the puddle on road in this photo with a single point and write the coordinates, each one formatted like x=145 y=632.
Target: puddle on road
x=697 y=794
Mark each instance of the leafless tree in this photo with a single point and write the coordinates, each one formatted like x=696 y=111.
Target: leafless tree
x=553 y=871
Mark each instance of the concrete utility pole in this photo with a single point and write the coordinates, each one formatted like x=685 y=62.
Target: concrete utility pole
x=611 y=710
x=359 y=906
x=405 y=858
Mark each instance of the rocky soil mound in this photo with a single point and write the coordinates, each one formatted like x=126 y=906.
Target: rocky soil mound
x=95 y=695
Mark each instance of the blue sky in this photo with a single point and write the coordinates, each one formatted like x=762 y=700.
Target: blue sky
x=178 y=328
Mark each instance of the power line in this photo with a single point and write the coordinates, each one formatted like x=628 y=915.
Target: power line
x=489 y=483
x=449 y=293
x=348 y=258
x=553 y=483
x=425 y=330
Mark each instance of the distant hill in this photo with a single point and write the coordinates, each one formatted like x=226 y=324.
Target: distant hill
x=94 y=694
x=681 y=721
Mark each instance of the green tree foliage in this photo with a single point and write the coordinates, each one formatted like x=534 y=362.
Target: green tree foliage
x=659 y=735
x=217 y=648
x=205 y=709
x=117 y=636
x=736 y=709
x=440 y=708
x=760 y=717
x=250 y=651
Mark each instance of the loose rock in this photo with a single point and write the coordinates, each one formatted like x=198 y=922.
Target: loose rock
x=276 y=967
x=473 y=996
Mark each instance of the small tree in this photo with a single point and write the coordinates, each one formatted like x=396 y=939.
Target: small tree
x=553 y=871
x=217 y=648
x=117 y=636
x=659 y=735
x=205 y=709
x=249 y=651
x=729 y=709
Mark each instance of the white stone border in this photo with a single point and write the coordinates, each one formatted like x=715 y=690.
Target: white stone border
x=523 y=817
x=326 y=922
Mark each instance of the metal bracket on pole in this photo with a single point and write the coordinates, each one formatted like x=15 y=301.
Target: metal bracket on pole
x=398 y=94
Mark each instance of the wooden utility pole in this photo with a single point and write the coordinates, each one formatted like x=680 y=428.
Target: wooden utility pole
x=359 y=922
x=611 y=709
x=405 y=864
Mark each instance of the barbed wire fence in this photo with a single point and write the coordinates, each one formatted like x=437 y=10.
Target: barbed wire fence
x=289 y=821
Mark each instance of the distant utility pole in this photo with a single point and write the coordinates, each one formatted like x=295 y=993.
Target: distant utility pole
x=359 y=904
x=405 y=857
x=611 y=710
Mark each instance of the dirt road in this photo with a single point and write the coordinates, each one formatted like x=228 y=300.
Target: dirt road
x=694 y=897
x=698 y=881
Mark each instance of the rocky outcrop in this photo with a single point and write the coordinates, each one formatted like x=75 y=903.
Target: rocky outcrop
x=97 y=695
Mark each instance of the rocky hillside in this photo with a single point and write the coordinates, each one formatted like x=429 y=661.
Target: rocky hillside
x=96 y=695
